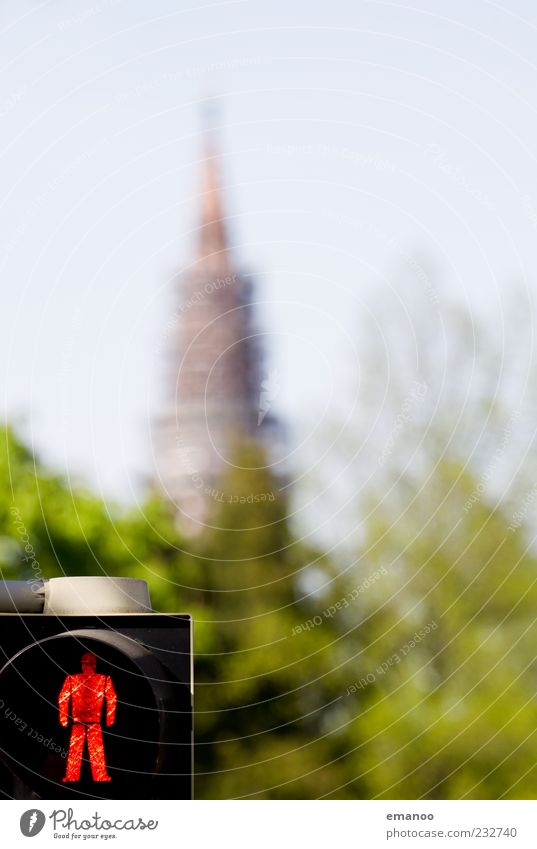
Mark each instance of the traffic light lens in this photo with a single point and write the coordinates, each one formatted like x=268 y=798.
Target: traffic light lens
x=85 y=694
x=79 y=714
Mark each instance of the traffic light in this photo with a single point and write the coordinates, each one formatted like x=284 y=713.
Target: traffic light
x=96 y=706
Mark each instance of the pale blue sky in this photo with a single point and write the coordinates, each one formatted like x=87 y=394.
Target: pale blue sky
x=355 y=136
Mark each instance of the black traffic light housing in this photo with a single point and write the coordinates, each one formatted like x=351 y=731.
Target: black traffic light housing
x=140 y=678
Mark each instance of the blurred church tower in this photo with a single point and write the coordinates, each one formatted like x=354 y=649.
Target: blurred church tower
x=219 y=393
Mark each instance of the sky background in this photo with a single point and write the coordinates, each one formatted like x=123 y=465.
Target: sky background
x=360 y=142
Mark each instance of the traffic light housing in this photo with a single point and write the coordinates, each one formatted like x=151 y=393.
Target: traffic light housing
x=96 y=706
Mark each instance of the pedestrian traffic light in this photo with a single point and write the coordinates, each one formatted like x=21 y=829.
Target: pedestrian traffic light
x=96 y=706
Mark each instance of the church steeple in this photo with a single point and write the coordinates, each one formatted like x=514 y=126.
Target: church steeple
x=212 y=241
x=212 y=233
x=216 y=376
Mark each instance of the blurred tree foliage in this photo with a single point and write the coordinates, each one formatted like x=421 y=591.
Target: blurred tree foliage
x=261 y=691
x=441 y=465
x=450 y=714
x=406 y=667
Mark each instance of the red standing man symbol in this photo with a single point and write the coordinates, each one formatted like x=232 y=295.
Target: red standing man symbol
x=86 y=692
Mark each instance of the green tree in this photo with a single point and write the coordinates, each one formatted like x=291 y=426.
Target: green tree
x=447 y=469
x=449 y=713
x=266 y=686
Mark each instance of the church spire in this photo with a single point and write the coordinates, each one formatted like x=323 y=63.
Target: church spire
x=215 y=381
x=212 y=242
x=212 y=233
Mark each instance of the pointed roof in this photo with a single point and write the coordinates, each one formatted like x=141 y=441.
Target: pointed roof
x=212 y=232
x=213 y=247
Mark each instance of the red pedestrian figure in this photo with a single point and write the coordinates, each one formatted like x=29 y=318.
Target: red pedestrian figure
x=87 y=691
